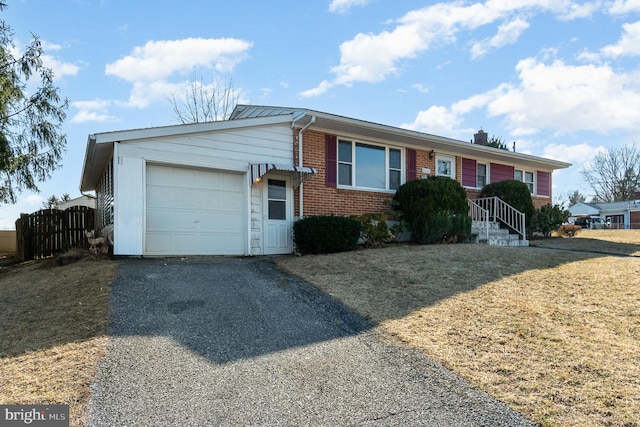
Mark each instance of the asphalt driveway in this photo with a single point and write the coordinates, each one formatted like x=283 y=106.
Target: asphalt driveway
x=233 y=342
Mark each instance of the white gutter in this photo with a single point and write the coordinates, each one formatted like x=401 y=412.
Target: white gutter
x=301 y=191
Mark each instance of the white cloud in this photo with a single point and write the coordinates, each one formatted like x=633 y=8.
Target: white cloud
x=157 y=60
x=436 y=120
x=371 y=58
x=342 y=6
x=421 y=87
x=59 y=68
x=567 y=98
x=92 y=111
x=49 y=60
x=578 y=155
x=628 y=45
x=150 y=68
x=32 y=199
x=322 y=88
x=557 y=97
x=580 y=10
x=619 y=7
x=508 y=33
x=145 y=93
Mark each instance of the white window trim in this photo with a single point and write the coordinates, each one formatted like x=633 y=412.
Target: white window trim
x=524 y=172
x=354 y=165
x=486 y=173
x=451 y=159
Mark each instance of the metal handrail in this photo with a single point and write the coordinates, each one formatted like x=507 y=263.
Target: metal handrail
x=499 y=210
x=479 y=214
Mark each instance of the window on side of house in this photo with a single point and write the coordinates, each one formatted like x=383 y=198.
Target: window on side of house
x=446 y=166
x=368 y=166
x=395 y=168
x=345 y=162
x=104 y=196
x=481 y=175
x=526 y=177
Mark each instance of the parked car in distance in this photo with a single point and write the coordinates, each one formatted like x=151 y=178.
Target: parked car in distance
x=593 y=222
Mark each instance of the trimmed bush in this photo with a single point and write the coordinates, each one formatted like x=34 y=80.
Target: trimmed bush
x=326 y=234
x=375 y=230
x=515 y=193
x=548 y=218
x=569 y=230
x=434 y=209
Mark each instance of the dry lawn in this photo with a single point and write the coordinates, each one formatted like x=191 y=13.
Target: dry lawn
x=53 y=324
x=555 y=334
x=615 y=242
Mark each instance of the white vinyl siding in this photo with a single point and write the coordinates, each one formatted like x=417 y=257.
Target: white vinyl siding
x=226 y=150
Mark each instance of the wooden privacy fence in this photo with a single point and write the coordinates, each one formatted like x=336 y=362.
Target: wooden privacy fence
x=44 y=233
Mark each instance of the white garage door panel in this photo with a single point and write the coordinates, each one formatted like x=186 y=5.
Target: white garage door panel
x=194 y=212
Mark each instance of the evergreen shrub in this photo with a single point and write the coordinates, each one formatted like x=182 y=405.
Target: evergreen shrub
x=548 y=218
x=375 y=230
x=515 y=193
x=434 y=209
x=326 y=234
x=569 y=230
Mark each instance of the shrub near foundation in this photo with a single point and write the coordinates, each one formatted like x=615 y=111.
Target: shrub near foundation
x=434 y=209
x=515 y=193
x=569 y=230
x=326 y=234
x=548 y=218
x=375 y=230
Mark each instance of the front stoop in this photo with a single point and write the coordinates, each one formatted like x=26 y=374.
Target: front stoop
x=497 y=236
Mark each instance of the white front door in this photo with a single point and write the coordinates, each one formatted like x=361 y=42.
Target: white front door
x=278 y=214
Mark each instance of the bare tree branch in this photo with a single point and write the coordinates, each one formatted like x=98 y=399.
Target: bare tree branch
x=202 y=102
x=614 y=175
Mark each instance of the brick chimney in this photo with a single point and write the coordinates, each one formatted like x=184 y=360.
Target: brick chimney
x=481 y=138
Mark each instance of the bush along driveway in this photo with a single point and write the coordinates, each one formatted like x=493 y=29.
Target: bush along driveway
x=229 y=341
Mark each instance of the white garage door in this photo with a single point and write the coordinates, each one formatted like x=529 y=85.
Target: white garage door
x=194 y=212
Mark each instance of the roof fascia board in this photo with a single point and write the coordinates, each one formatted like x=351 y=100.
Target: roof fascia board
x=418 y=139
x=177 y=130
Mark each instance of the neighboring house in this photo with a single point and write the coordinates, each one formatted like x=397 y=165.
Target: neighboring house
x=620 y=215
x=236 y=186
x=83 y=200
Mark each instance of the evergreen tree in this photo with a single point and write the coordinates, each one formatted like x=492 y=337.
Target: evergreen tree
x=31 y=143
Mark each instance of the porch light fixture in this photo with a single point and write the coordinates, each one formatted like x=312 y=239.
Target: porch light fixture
x=431 y=154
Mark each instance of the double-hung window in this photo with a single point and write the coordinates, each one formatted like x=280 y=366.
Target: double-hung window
x=446 y=166
x=526 y=177
x=481 y=175
x=369 y=166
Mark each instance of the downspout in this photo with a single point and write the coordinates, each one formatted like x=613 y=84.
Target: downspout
x=301 y=191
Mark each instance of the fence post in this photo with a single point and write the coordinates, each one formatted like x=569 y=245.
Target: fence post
x=22 y=238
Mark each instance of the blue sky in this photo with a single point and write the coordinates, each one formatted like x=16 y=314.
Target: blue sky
x=561 y=78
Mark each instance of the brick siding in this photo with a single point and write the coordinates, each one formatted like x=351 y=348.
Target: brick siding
x=322 y=200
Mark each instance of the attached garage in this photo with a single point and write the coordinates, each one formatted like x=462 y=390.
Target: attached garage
x=194 y=211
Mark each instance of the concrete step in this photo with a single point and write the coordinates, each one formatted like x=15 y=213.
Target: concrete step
x=503 y=242
x=497 y=236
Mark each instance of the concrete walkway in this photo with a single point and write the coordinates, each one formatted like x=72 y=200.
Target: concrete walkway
x=233 y=342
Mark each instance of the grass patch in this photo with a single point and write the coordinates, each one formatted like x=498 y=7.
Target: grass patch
x=614 y=242
x=554 y=334
x=53 y=325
